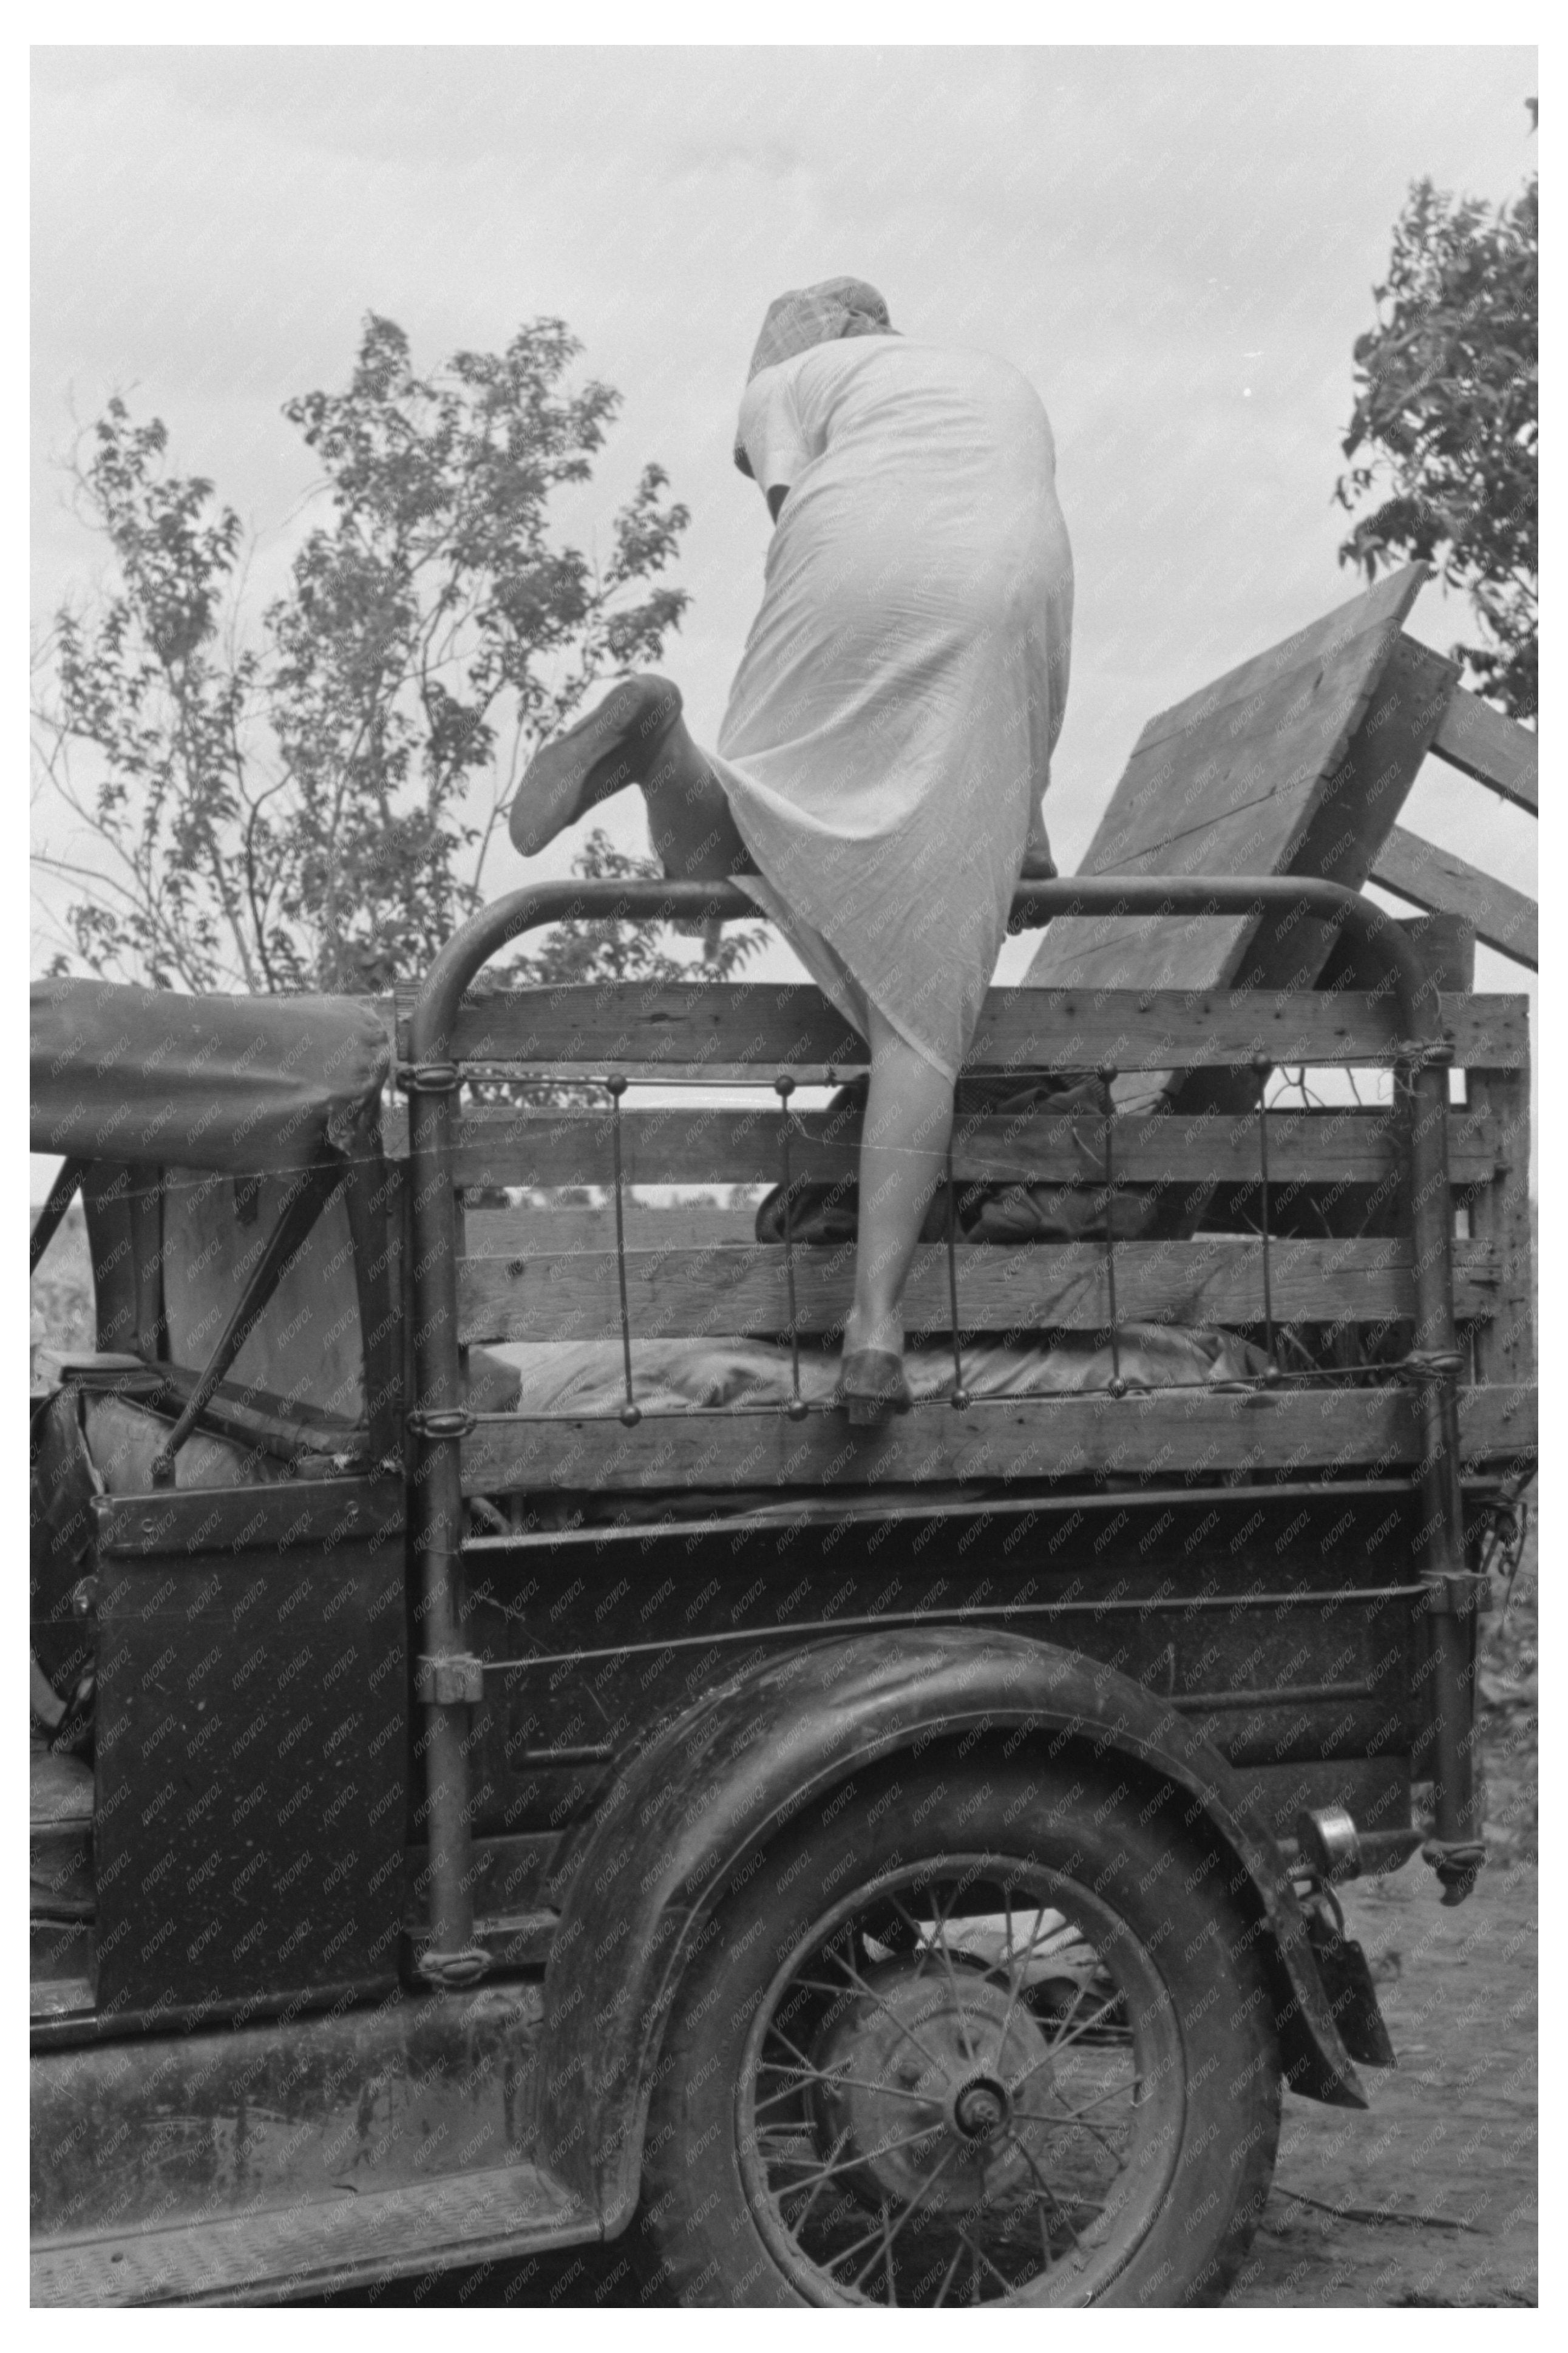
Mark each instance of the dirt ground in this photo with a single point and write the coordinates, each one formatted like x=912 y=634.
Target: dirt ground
x=1427 y=2199
x=1431 y=2198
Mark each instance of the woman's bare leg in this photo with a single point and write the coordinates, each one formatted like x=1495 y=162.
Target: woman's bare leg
x=903 y=1152
x=693 y=834
x=630 y=739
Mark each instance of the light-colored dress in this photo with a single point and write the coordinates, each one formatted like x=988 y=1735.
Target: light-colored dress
x=888 y=733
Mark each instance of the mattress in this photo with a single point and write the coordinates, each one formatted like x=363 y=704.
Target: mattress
x=562 y=1380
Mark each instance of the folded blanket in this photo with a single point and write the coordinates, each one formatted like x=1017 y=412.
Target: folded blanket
x=1018 y=1212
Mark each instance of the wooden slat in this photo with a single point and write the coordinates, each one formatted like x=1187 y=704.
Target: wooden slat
x=1494 y=749
x=1024 y=1438
x=1429 y=876
x=703 y=1033
x=724 y=1145
x=682 y=1293
x=491 y=1232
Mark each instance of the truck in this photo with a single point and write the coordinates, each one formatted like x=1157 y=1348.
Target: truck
x=514 y=1768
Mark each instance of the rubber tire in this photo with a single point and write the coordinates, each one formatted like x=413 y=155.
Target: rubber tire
x=694 y=2241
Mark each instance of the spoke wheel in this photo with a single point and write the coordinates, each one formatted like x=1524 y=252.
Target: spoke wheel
x=983 y=2108
x=972 y=2036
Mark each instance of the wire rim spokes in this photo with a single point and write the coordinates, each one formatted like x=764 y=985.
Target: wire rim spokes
x=960 y=2089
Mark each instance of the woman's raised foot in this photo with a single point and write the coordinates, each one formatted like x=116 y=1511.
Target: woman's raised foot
x=615 y=745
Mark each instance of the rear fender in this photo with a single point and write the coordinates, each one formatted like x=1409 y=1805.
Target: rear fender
x=713 y=1789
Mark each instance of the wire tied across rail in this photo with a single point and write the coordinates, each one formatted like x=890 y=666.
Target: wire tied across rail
x=1423 y=1053
x=1117 y=1385
x=783 y=1086
x=631 y=1412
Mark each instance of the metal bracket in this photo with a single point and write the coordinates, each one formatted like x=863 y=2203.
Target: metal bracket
x=1456 y=1592
x=452 y=1971
x=1347 y=1986
x=440 y=1421
x=428 y=1078
x=1427 y=1368
x=1456 y=1864
x=457 y=1680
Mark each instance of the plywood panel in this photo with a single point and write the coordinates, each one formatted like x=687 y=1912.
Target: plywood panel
x=1309 y=651
x=1268 y=745
x=1313 y=790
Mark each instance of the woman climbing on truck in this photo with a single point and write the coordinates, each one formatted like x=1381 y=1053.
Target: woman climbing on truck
x=879 y=774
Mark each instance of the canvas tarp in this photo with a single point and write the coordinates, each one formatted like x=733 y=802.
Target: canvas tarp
x=245 y=1084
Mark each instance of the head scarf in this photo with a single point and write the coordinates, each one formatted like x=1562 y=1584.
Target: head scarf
x=823 y=313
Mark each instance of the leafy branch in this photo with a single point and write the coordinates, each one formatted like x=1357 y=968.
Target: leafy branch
x=310 y=805
x=1444 y=430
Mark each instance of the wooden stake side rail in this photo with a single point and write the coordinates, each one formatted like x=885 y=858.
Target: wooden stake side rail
x=708 y=1032
x=699 y=1144
x=1267 y=1433
x=733 y=1289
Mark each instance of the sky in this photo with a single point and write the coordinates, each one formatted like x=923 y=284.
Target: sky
x=1177 y=245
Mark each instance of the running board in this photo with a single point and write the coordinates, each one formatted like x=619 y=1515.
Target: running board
x=281 y=2253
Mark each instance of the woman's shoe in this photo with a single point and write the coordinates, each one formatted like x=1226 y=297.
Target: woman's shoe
x=616 y=745
x=872 y=1386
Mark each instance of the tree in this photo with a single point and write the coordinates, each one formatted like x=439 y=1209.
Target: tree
x=1445 y=412
x=604 y=948
x=310 y=805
